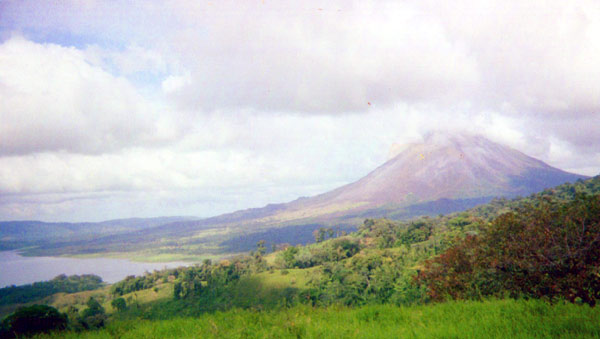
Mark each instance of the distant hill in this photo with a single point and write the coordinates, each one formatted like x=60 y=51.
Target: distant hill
x=14 y=234
x=443 y=174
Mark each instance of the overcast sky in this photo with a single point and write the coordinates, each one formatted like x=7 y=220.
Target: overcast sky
x=115 y=109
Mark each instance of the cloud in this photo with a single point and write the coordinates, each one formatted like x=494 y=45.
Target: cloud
x=52 y=99
x=175 y=83
x=131 y=60
x=281 y=58
x=205 y=107
x=302 y=59
x=534 y=58
x=537 y=57
x=229 y=162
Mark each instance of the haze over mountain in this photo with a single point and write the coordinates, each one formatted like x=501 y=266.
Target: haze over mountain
x=444 y=173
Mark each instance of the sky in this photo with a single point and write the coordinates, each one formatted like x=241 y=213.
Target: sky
x=118 y=109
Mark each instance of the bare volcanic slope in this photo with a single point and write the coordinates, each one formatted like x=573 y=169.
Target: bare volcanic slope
x=443 y=167
x=445 y=173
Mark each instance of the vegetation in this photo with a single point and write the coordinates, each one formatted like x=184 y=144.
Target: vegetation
x=545 y=249
x=62 y=283
x=544 y=246
x=92 y=317
x=31 y=320
x=119 y=304
x=488 y=319
x=133 y=283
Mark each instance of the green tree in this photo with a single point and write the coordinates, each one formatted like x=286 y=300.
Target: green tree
x=177 y=289
x=197 y=285
x=93 y=316
x=318 y=235
x=93 y=308
x=119 y=304
x=330 y=232
x=288 y=256
x=261 y=249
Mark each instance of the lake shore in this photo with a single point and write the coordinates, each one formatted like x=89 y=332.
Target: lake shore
x=18 y=269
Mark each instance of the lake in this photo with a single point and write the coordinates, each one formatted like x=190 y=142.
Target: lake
x=19 y=270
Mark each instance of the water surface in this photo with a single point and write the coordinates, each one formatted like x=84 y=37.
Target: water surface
x=19 y=270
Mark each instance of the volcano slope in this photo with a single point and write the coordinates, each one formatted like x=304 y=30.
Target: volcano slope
x=443 y=174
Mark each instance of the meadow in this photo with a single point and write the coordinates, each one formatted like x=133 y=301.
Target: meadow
x=454 y=319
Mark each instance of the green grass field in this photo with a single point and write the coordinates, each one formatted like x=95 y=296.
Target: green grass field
x=462 y=319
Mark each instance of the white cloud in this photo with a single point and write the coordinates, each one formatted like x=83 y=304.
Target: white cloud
x=536 y=57
x=174 y=83
x=238 y=161
x=541 y=57
x=278 y=57
x=302 y=59
x=204 y=107
x=52 y=99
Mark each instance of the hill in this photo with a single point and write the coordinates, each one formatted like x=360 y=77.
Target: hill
x=445 y=173
x=16 y=234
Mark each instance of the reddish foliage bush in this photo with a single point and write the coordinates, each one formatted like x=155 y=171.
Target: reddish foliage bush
x=548 y=249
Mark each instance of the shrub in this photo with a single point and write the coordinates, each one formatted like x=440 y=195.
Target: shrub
x=93 y=316
x=33 y=319
x=119 y=304
x=544 y=250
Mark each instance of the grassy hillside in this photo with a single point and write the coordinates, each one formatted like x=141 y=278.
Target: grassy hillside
x=488 y=319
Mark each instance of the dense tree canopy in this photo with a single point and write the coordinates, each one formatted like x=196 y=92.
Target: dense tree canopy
x=545 y=249
x=62 y=283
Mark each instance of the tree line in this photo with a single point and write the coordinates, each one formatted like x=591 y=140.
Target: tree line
x=38 y=290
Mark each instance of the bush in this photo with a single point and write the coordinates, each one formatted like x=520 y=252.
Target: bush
x=93 y=316
x=544 y=250
x=33 y=319
x=119 y=304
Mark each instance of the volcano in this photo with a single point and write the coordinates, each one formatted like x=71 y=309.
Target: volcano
x=444 y=173
x=453 y=167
